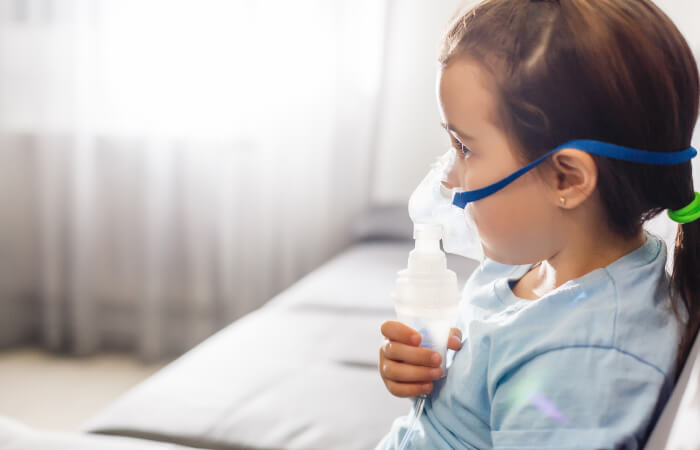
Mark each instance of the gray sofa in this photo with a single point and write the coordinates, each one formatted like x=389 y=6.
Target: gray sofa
x=301 y=372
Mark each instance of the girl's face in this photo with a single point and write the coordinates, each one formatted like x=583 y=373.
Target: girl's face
x=518 y=224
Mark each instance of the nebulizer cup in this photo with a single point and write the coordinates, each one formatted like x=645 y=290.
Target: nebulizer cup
x=426 y=294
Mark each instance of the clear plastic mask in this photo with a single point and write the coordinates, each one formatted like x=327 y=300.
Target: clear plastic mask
x=431 y=203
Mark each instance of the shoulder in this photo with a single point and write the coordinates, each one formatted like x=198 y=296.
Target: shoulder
x=645 y=324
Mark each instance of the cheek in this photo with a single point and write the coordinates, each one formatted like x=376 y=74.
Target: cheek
x=469 y=174
x=488 y=218
x=515 y=226
x=471 y=177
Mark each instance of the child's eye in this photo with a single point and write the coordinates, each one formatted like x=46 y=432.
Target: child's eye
x=461 y=148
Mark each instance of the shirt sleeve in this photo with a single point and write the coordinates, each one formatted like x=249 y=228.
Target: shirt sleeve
x=575 y=397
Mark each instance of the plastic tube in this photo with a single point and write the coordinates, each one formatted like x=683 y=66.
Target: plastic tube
x=418 y=408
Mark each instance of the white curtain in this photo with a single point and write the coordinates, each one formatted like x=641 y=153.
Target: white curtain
x=169 y=165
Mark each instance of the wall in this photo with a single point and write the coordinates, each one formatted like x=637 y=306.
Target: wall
x=409 y=133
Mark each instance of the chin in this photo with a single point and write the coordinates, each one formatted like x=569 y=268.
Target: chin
x=508 y=259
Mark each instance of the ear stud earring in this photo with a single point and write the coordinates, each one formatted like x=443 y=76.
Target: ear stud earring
x=562 y=201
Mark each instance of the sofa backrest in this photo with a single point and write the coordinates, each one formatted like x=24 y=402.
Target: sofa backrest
x=682 y=409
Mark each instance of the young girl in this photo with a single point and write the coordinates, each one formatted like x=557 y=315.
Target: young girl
x=573 y=331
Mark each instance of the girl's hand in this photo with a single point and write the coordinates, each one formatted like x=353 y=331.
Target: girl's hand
x=407 y=369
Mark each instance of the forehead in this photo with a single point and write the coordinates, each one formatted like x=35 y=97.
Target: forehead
x=466 y=95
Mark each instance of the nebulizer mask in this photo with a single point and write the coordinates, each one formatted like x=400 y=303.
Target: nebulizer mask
x=432 y=203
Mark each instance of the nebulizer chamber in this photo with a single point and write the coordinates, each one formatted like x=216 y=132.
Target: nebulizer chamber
x=426 y=294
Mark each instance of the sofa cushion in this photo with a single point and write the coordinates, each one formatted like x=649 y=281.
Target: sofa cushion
x=301 y=372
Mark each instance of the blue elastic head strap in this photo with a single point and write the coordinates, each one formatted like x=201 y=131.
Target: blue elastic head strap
x=595 y=147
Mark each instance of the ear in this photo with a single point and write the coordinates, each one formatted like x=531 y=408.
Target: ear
x=575 y=177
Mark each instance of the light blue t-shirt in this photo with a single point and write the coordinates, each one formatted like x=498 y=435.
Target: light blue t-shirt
x=586 y=366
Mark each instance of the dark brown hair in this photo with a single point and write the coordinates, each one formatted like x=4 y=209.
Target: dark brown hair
x=617 y=71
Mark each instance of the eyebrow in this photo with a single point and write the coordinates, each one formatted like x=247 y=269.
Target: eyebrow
x=451 y=128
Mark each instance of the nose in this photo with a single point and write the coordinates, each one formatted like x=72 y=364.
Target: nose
x=453 y=179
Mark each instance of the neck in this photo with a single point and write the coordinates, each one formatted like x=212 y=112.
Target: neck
x=582 y=254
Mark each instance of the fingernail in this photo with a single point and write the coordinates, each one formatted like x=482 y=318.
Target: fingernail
x=415 y=340
x=435 y=359
x=436 y=373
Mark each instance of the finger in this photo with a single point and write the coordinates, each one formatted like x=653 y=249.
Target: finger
x=419 y=356
x=408 y=389
x=455 y=340
x=397 y=331
x=398 y=371
x=454 y=343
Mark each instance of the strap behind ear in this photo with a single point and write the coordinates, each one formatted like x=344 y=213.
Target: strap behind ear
x=589 y=146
